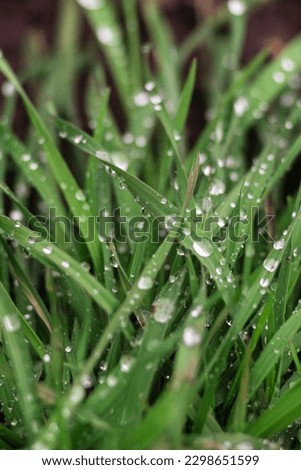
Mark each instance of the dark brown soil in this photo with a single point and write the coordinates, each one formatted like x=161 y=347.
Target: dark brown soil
x=281 y=21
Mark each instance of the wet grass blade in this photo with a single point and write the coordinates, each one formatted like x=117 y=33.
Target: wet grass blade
x=51 y=255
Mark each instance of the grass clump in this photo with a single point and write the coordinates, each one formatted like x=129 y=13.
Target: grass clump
x=149 y=287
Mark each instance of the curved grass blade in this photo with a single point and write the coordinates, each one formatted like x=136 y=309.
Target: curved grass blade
x=11 y=325
x=50 y=255
x=284 y=412
x=73 y=195
x=105 y=24
x=210 y=257
x=273 y=351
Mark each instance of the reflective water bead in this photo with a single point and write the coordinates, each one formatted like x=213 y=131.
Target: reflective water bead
x=65 y=264
x=217 y=188
x=11 y=323
x=279 y=77
x=47 y=250
x=203 y=248
x=141 y=99
x=241 y=106
x=279 y=245
x=90 y=4
x=264 y=282
x=145 y=283
x=163 y=310
x=237 y=7
x=287 y=64
x=191 y=337
x=106 y=36
x=271 y=264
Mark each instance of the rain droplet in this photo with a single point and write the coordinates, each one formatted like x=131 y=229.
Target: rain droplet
x=33 y=166
x=279 y=77
x=279 y=245
x=217 y=188
x=191 y=337
x=149 y=86
x=46 y=358
x=16 y=215
x=106 y=36
x=8 y=89
x=287 y=64
x=141 y=99
x=112 y=381
x=11 y=323
x=141 y=141
x=47 y=250
x=163 y=310
x=203 y=248
x=26 y=157
x=241 y=106
x=90 y=4
x=271 y=264
x=145 y=283
x=126 y=363
x=65 y=264
x=237 y=7
x=264 y=282
x=77 y=394
x=79 y=196
x=196 y=312
x=156 y=99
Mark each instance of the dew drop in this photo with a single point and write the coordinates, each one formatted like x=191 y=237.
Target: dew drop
x=47 y=250
x=196 y=312
x=241 y=106
x=126 y=363
x=145 y=283
x=237 y=7
x=33 y=166
x=141 y=141
x=90 y=4
x=163 y=310
x=79 y=196
x=279 y=77
x=149 y=86
x=8 y=89
x=106 y=36
x=11 y=323
x=156 y=99
x=287 y=64
x=112 y=381
x=217 y=188
x=77 y=394
x=279 y=245
x=264 y=282
x=271 y=264
x=46 y=358
x=203 y=248
x=191 y=337
x=141 y=99
x=65 y=264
